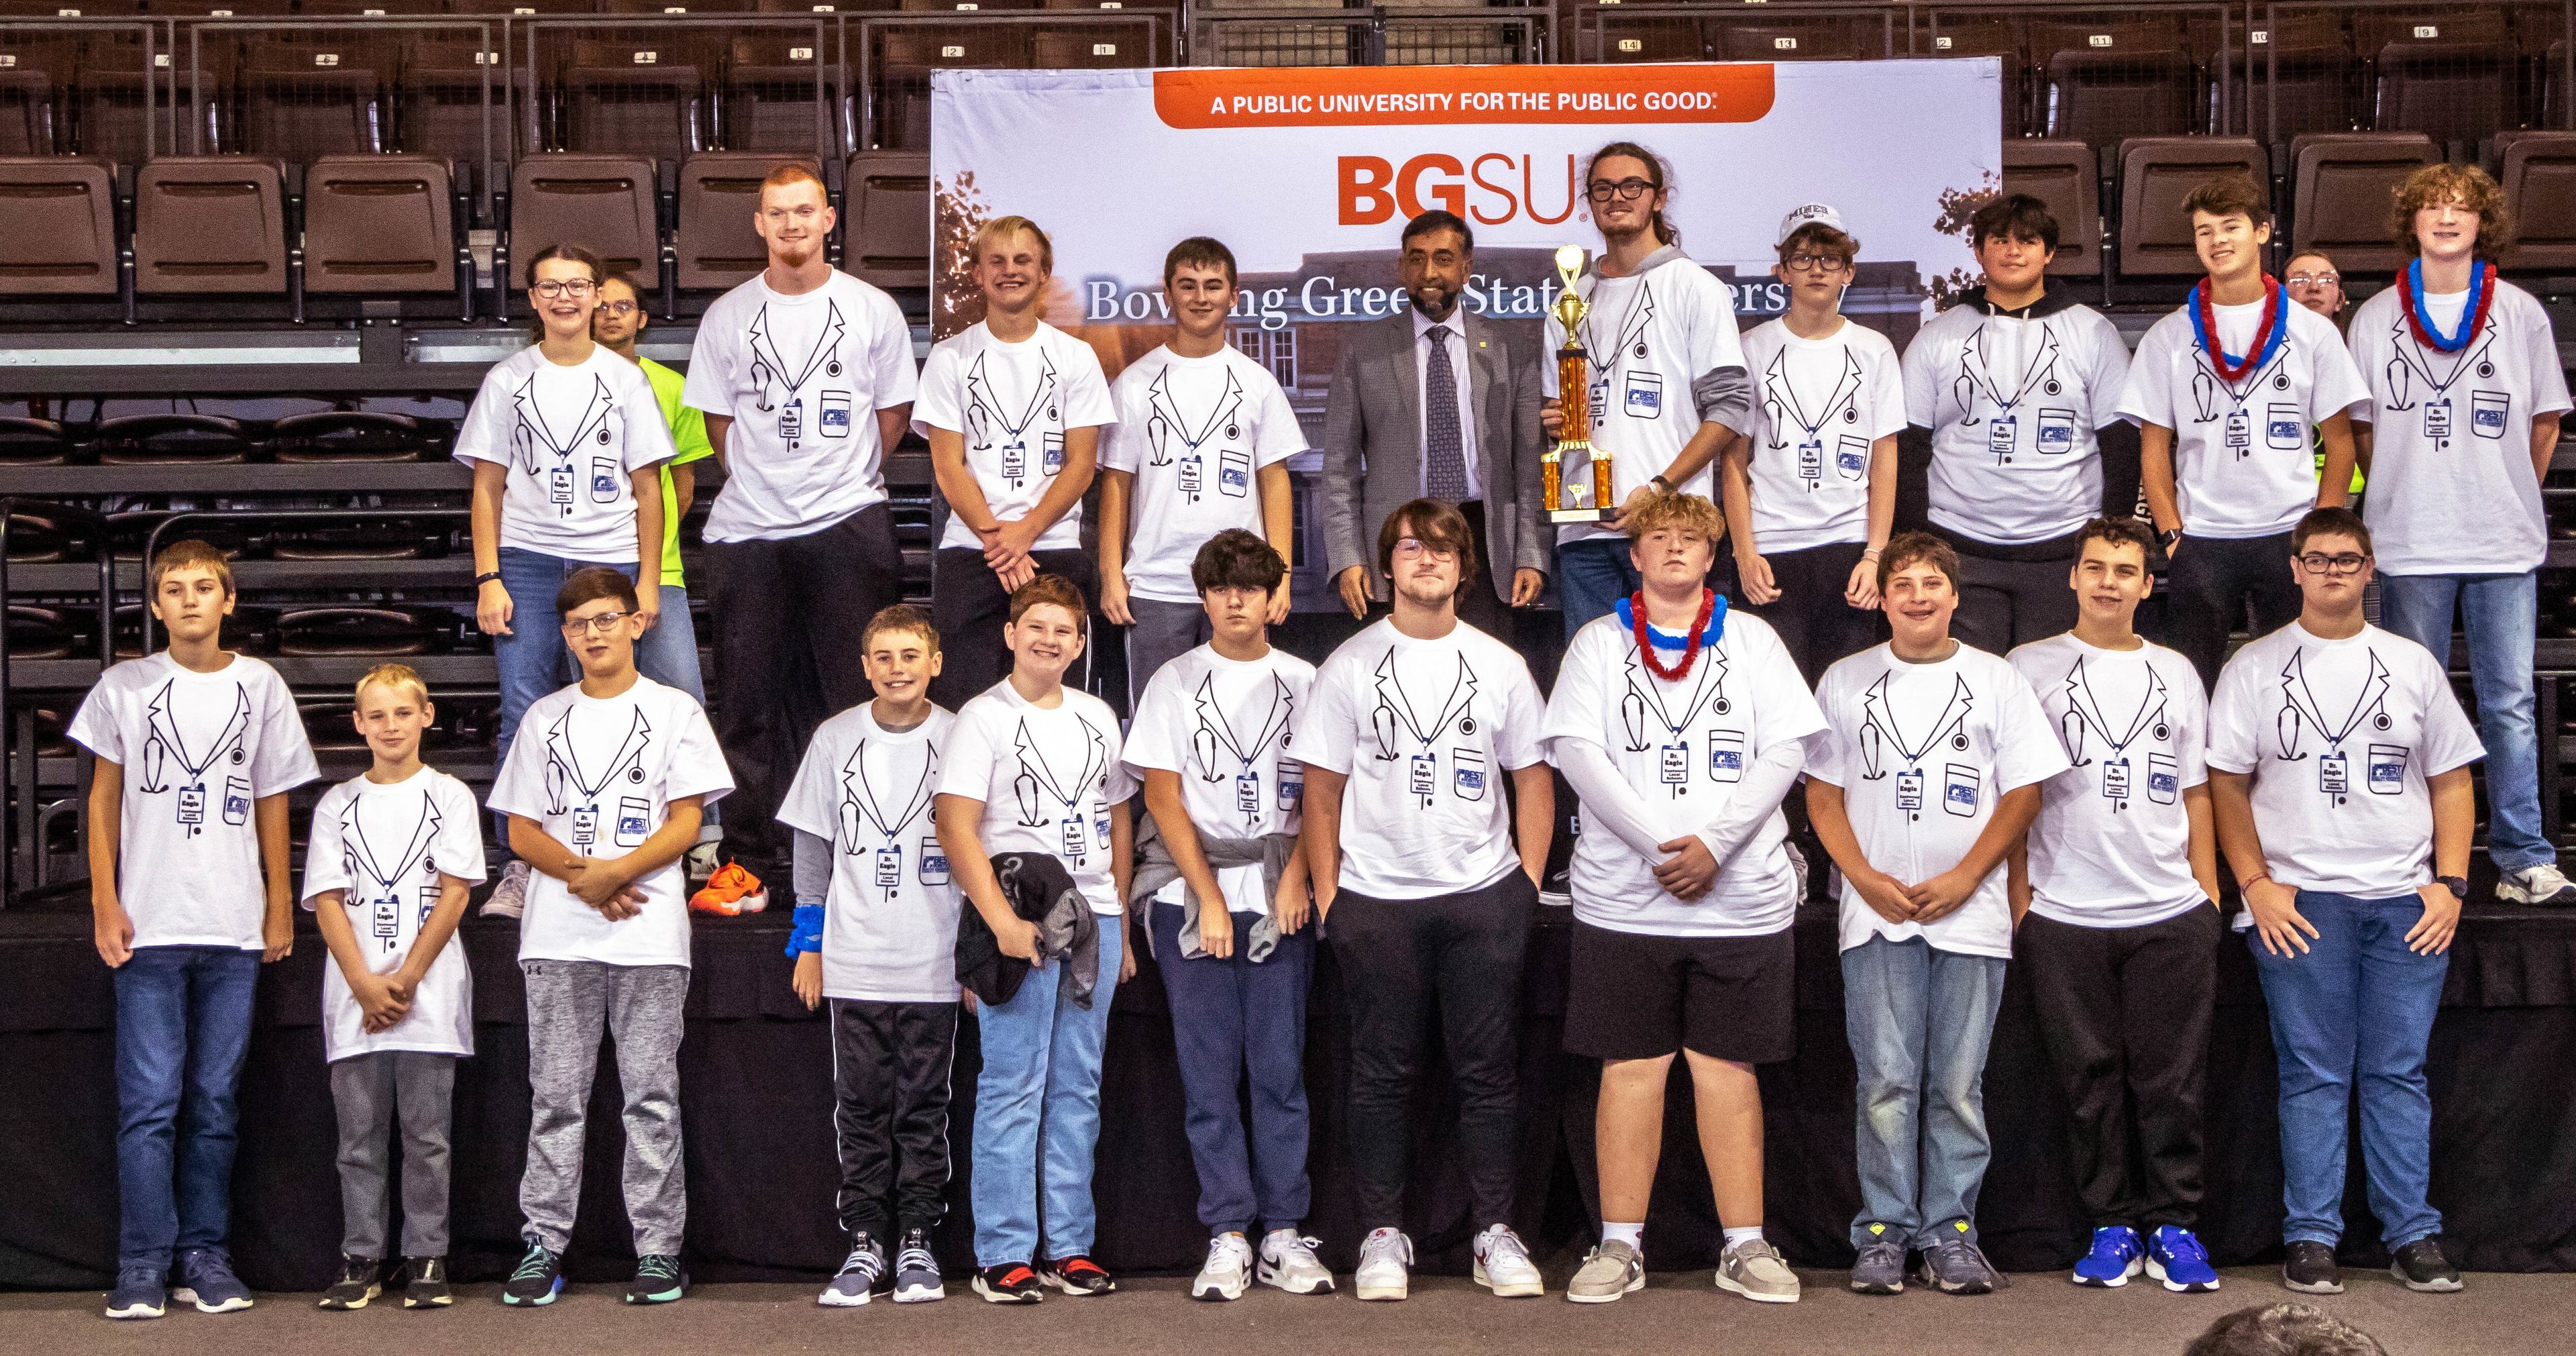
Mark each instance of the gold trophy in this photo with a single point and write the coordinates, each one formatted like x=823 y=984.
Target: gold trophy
x=1584 y=499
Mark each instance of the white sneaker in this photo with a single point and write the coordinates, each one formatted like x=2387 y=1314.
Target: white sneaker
x=1228 y=1270
x=1288 y=1263
x=1384 y=1255
x=2542 y=884
x=702 y=860
x=1503 y=1264
x=509 y=897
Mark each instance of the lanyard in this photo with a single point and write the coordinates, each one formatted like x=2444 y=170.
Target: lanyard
x=826 y=340
x=863 y=798
x=2030 y=370
x=1632 y=326
x=1037 y=396
x=1461 y=693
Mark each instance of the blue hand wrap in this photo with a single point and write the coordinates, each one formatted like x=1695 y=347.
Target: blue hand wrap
x=808 y=931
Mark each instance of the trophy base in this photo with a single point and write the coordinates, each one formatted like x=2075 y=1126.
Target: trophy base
x=1576 y=515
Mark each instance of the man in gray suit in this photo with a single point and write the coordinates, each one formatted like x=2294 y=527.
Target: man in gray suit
x=1474 y=441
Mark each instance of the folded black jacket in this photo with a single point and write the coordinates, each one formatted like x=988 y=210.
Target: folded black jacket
x=1041 y=891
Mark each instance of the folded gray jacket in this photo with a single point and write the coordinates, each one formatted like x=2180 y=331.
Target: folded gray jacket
x=1156 y=869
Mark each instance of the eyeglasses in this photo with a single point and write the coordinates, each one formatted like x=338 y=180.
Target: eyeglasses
x=551 y=288
x=1814 y=263
x=1410 y=547
x=619 y=309
x=1626 y=190
x=2317 y=562
x=602 y=624
x=2315 y=280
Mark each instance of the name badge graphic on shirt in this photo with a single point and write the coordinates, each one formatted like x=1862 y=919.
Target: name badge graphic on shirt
x=634 y=814
x=2334 y=774
x=1292 y=783
x=1599 y=399
x=1469 y=769
x=934 y=862
x=1675 y=767
x=889 y=866
x=2437 y=418
x=1247 y=793
x=192 y=804
x=1959 y=789
x=559 y=487
x=2056 y=431
x=1999 y=435
x=384 y=921
x=1015 y=462
x=1726 y=755
x=1076 y=843
x=236 y=801
x=835 y=409
x=1189 y=475
x=1423 y=775
x=2115 y=778
x=791 y=419
x=1234 y=474
x=1643 y=397
x=2486 y=413
x=585 y=826
x=2240 y=434
x=1052 y=445
x=2387 y=769
x=1909 y=790
x=2284 y=430
x=1811 y=461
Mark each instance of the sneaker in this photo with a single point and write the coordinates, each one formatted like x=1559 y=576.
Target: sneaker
x=1009 y=1283
x=2175 y=1257
x=916 y=1272
x=658 y=1279
x=1754 y=1269
x=2310 y=1269
x=427 y=1286
x=1955 y=1265
x=1228 y=1270
x=2116 y=1256
x=509 y=898
x=538 y=1280
x=1288 y=1263
x=361 y=1279
x=856 y=1283
x=1381 y=1274
x=2542 y=884
x=1609 y=1271
x=700 y=862
x=1503 y=1264
x=1078 y=1275
x=204 y=1277
x=140 y=1292
x=730 y=891
x=2421 y=1266
x=1880 y=1268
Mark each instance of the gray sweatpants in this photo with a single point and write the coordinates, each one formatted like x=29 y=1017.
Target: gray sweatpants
x=1163 y=632
x=569 y=1002
x=372 y=1093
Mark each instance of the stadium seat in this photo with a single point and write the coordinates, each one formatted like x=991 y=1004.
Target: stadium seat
x=2540 y=190
x=522 y=7
x=439 y=94
x=2450 y=75
x=769 y=93
x=33 y=63
x=379 y=539
x=171 y=440
x=1091 y=46
x=210 y=224
x=345 y=436
x=362 y=631
x=57 y=226
x=1997 y=38
x=2106 y=81
x=1837 y=39
x=603 y=203
x=1658 y=39
x=2156 y=173
x=38 y=632
x=2301 y=77
x=379 y=223
x=719 y=194
x=319 y=94
x=26 y=440
x=954 y=6
x=885 y=230
x=905 y=58
x=108 y=108
x=638 y=98
x=2063 y=174
x=2342 y=185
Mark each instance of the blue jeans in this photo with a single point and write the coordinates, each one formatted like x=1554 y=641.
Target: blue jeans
x=1919 y=1020
x=1591 y=577
x=2357 y=1008
x=2501 y=614
x=1041 y=1079
x=182 y=1028
x=1232 y=1018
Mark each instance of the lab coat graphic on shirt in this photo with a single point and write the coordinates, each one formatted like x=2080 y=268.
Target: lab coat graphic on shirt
x=830 y=415
x=1043 y=791
x=1222 y=753
x=868 y=827
x=2006 y=415
x=2086 y=726
x=556 y=458
x=1627 y=364
x=2412 y=366
x=165 y=746
x=1172 y=439
x=1813 y=422
x=1651 y=723
x=569 y=787
x=379 y=875
x=1880 y=734
x=1398 y=724
x=989 y=421
x=2385 y=770
x=2261 y=414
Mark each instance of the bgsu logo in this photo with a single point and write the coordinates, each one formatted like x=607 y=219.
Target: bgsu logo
x=1489 y=190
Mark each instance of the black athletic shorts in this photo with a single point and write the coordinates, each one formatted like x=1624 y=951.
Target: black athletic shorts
x=1639 y=996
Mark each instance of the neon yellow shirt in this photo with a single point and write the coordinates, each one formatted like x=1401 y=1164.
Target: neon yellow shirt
x=689 y=434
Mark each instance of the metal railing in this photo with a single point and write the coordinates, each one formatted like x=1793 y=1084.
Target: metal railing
x=22 y=863
x=70 y=104
x=1380 y=35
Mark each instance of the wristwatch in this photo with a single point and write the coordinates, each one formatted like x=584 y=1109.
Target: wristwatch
x=2458 y=885
x=486 y=577
x=2168 y=537
x=1666 y=486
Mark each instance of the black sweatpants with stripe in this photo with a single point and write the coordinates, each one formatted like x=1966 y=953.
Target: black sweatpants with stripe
x=890 y=1066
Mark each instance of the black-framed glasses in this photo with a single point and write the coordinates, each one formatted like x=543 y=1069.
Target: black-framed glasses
x=2344 y=563
x=619 y=309
x=1626 y=190
x=1814 y=263
x=602 y=624
x=551 y=288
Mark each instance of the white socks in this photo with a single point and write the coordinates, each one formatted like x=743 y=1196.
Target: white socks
x=1749 y=1234
x=1634 y=1235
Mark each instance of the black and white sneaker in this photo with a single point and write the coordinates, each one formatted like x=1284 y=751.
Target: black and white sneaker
x=916 y=1271
x=2310 y=1269
x=361 y=1279
x=860 y=1271
x=1009 y=1283
x=427 y=1286
x=2420 y=1266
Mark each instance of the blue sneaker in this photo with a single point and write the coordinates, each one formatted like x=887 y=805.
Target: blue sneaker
x=204 y=1277
x=2175 y=1257
x=141 y=1291
x=2114 y=1259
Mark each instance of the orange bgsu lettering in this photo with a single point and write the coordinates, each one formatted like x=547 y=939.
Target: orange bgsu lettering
x=1373 y=190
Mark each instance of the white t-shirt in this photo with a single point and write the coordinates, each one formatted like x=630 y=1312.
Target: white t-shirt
x=598 y=774
x=801 y=378
x=569 y=438
x=387 y=846
x=2340 y=736
x=1651 y=335
x=198 y=749
x=2013 y=405
x=1818 y=404
x=1922 y=752
x=1194 y=432
x=890 y=918
x=1227 y=728
x=1426 y=730
x=2244 y=453
x=2451 y=489
x=1685 y=747
x=2112 y=844
x=1013 y=403
x=1048 y=780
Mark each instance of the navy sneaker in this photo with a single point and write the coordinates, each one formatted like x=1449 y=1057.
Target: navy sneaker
x=141 y=1292
x=2175 y=1257
x=658 y=1279
x=538 y=1280
x=2420 y=1265
x=1880 y=1268
x=2116 y=1256
x=204 y=1277
x=2309 y=1268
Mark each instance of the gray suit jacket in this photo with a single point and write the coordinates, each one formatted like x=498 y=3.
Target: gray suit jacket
x=1373 y=443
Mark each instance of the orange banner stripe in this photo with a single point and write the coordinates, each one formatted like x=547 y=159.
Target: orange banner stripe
x=1381 y=96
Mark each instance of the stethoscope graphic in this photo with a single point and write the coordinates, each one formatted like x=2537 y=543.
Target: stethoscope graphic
x=1634 y=706
x=2299 y=706
x=358 y=857
x=1166 y=424
x=2084 y=709
x=2207 y=386
x=563 y=764
x=1632 y=330
x=1215 y=730
x=1395 y=709
x=767 y=366
x=531 y=433
x=2410 y=361
x=165 y=745
x=1879 y=723
x=1974 y=377
x=859 y=805
x=1037 y=774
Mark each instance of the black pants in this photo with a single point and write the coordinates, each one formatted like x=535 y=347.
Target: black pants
x=2212 y=581
x=970 y=607
x=2013 y=595
x=890 y=1111
x=788 y=615
x=1400 y=959
x=1810 y=614
x=1478 y=605
x=2125 y=1013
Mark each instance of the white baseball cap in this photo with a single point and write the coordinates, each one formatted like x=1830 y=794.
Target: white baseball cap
x=1805 y=213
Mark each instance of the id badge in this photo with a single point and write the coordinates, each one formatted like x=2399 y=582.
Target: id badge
x=791 y=419
x=1015 y=462
x=1234 y=474
x=2240 y=434
x=1643 y=397
x=1675 y=764
x=1999 y=435
x=385 y=920
x=889 y=866
x=835 y=409
x=192 y=804
x=2115 y=778
x=1076 y=842
x=934 y=861
x=2437 y=418
x=585 y=826
x=2334 y=774
x=1051 y=445
x=1292 y=783
x=1599 y=399
x=1423 y=773
x=559 y=486
x=1247 y=793
x=1190 y=475
x=1811 y=461
x=1909 y=790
